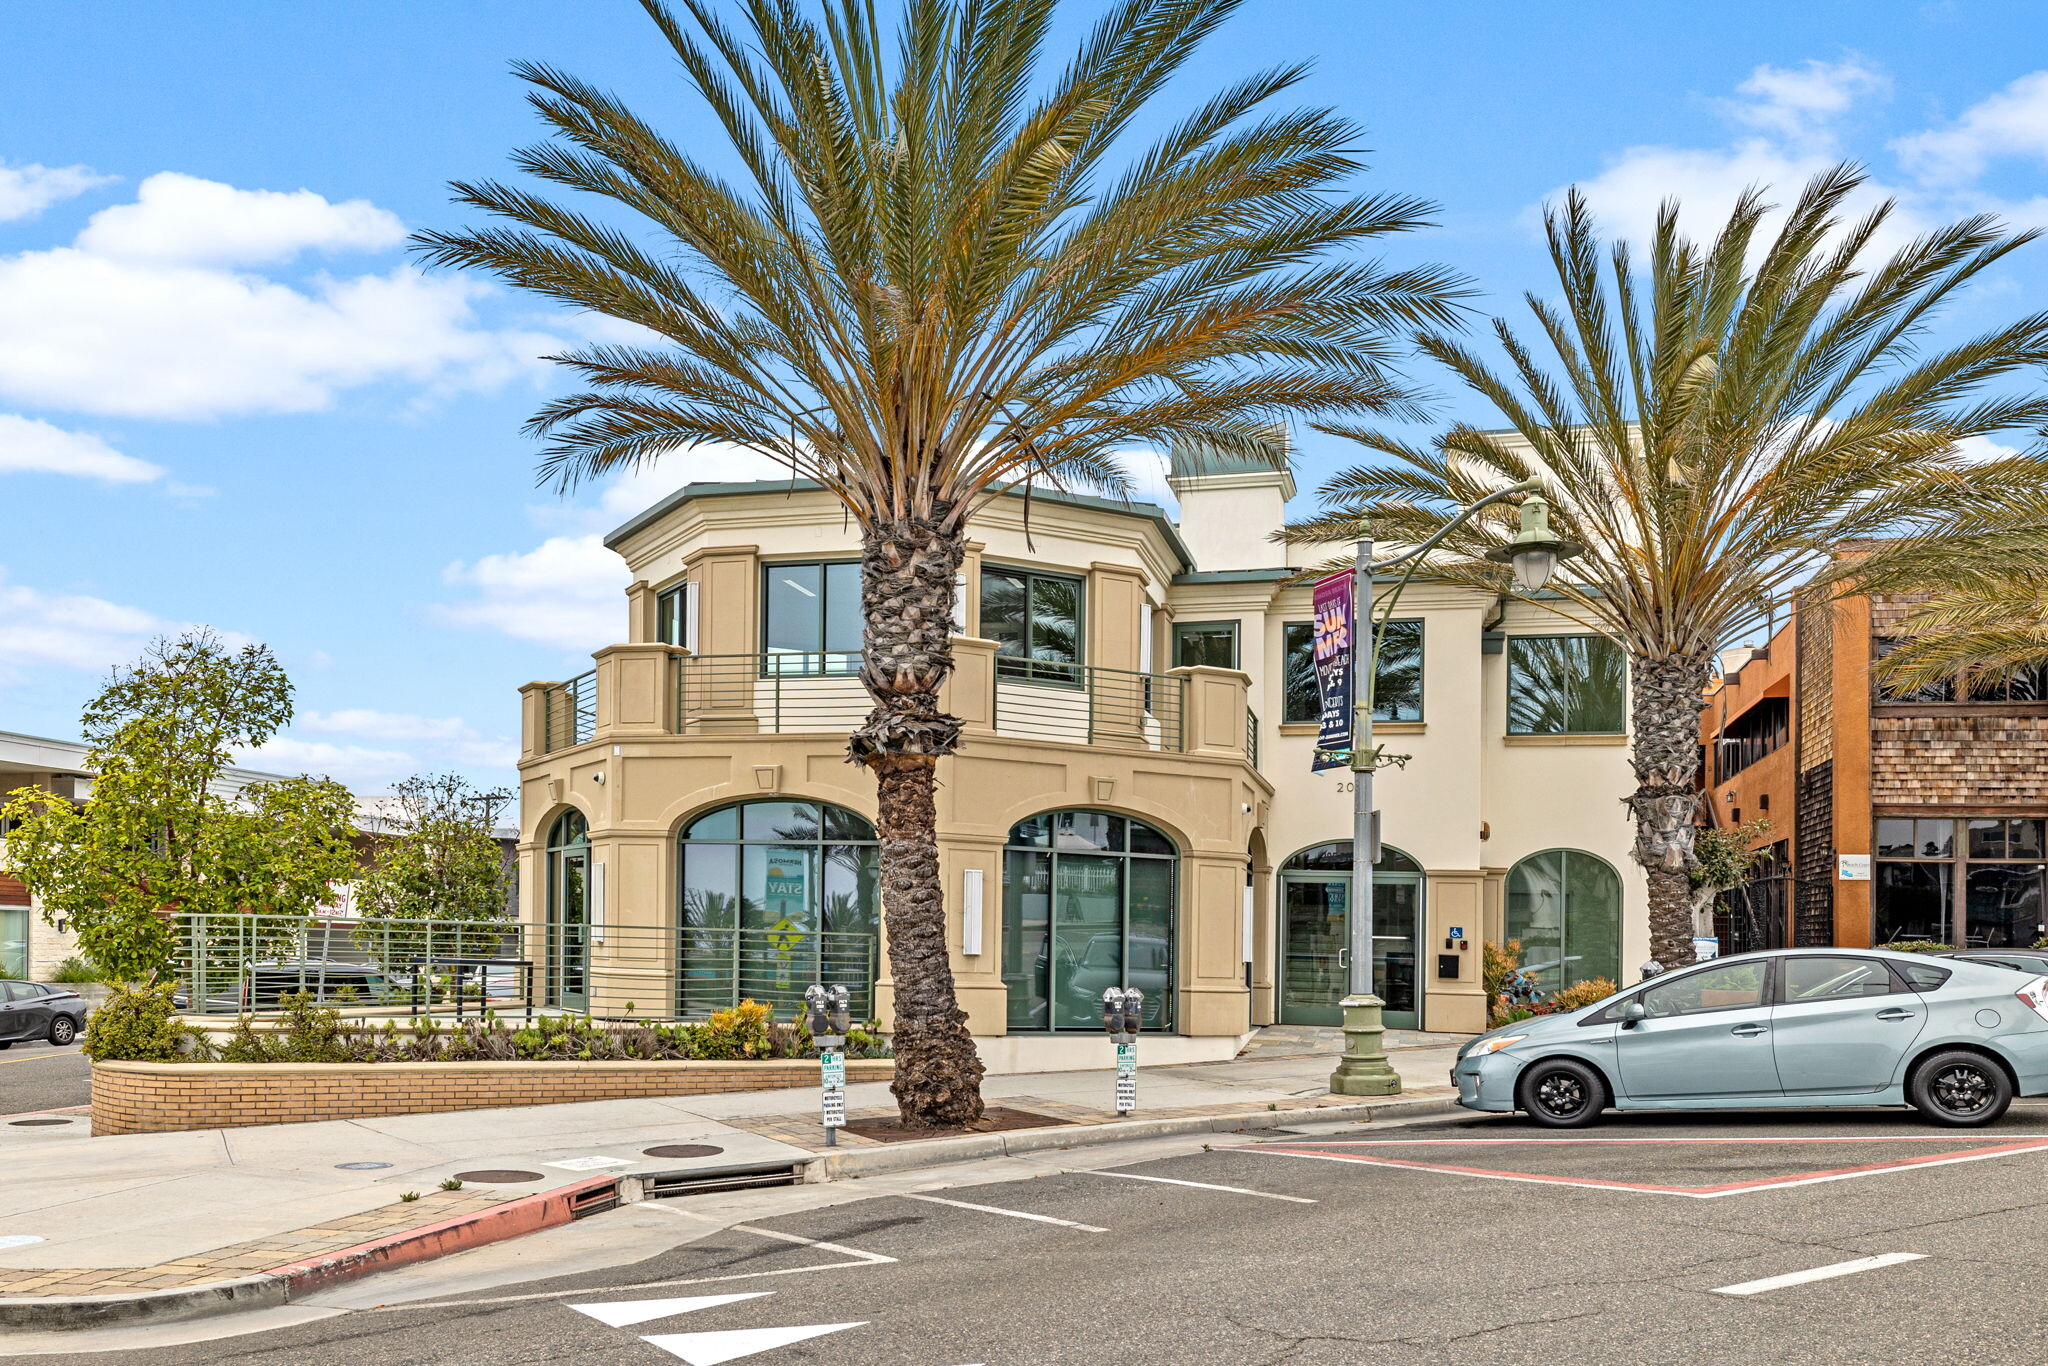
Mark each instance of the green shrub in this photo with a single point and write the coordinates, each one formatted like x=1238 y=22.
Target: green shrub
x=78 y=968
x=1582 y=994
x=1918 y=946
x=741 y=1032
x=138 y=1023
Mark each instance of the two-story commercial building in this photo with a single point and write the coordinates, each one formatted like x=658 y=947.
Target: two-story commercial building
x=1132 y=803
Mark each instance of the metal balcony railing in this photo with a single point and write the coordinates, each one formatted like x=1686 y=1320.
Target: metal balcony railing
x=229 y=964
x=568 y=712
x=775 y=693
x=1251 y=737
x=1083 y=705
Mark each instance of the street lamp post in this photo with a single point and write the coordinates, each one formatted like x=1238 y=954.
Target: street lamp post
x=1534 y=554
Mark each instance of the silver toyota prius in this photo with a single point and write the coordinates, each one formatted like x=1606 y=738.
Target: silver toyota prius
x=1954 y=1039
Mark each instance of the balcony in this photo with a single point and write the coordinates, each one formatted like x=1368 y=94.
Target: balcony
x=651 y=690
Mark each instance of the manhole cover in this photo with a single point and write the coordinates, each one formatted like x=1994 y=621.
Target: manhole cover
x=497 y=1176
x=361 y=1166
x=34 y=1123
x=683 y=1150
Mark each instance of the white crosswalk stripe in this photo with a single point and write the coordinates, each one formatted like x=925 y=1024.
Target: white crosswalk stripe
x=626 y=1313
x=710 y=1349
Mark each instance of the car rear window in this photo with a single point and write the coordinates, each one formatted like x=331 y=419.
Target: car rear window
x=1922 y=976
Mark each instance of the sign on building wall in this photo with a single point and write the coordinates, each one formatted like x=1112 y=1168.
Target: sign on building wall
x=1334 y=639
x=1853 y=867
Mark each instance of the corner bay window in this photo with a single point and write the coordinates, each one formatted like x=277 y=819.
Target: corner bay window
x=1397 y=692
x=1973 y=881
x=811 y=618
x=1566 y=685
x=1035 y=621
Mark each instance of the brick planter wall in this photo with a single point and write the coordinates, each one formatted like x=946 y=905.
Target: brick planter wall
x=154 y=1097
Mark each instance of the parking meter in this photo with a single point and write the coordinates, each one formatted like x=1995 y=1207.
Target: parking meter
x=1123 y=1011
x=825 y=1015
x=1651 y=968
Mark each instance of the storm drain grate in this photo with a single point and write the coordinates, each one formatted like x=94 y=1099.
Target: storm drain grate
x=668 y=1185
x=497 y=1176
x=360 y=1166
x=35 y=1123
x=682 y=1150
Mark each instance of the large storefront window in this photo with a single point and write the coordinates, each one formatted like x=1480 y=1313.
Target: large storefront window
x=1565 y=907
x=1088 y=900
x=773 y=896
x=1975 y=881
x=568 y=965
x=14 y=941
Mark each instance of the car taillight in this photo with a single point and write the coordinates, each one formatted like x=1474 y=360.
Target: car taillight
x=2035 y=995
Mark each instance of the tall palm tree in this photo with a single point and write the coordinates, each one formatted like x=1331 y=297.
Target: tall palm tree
x=1982 y=632
x=1707 y=432
x=932 y=268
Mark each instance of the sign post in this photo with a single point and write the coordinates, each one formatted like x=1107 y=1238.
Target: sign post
x=1123 y=1012
x=826 y=1015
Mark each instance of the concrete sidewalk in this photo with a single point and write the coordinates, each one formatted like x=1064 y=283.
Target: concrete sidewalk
x=122 y=1227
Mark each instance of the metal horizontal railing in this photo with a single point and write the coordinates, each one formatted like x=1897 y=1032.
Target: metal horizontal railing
x=777 y=693
x=1085 y=705
x=229 y=964
x=1251 y=737
x=568 y=712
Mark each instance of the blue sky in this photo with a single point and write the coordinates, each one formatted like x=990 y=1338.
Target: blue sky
x=226 y=398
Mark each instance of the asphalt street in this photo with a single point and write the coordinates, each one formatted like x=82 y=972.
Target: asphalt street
x=1420 y=1243
x=36 y=1076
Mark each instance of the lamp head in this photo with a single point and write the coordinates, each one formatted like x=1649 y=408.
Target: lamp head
x=1535 y=551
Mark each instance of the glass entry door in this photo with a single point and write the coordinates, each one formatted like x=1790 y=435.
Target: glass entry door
x=569 y=931
x=1315 y=956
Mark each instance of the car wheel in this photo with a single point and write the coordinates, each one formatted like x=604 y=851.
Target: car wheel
x=1959 y=1089
x=63 y=1030
x=1561 y=1093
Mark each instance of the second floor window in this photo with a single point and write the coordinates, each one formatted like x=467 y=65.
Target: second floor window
x=1761 y=730
x=1566 y=685
x=1211 y=643
x=1035 y=621
x=672 y=616
x=810 y=617
x=1396 y=696
x=2030 y=685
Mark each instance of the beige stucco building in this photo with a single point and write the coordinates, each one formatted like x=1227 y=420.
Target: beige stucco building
x=1133 y=801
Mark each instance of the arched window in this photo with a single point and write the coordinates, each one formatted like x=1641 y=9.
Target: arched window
x=771 y=897
x=1565 y=907
x=1088 y=902
x=568 y=936
x=1315 y=928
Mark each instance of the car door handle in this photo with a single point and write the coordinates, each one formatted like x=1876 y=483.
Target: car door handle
x=1748 y=1031
x=1895 y=1014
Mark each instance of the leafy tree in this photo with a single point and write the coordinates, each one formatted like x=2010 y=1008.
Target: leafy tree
x=440 y=862
x=1709 y=432
x=161 y=834
x=942 y=272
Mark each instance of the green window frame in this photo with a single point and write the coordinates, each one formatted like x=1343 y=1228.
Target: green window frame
x=811 y=621
x=1397 y=692
x=1566 y=685
x=1205 y=643
x=1038 y=621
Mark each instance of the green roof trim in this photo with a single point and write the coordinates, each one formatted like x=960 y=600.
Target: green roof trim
x=1151 y=512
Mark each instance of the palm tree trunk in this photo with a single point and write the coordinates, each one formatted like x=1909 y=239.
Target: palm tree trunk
x=1666 y=710
x=907 y=570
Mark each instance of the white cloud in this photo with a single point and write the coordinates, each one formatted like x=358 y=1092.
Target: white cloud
x=386 y=725
x=28 y=445
x=2013 y=122
x=70 y=630
x=185 y=219
x=1796 y=113
x=26 y=191
x=351 y=764
x=567 y=592
x=138 y=317
x=1802 y=104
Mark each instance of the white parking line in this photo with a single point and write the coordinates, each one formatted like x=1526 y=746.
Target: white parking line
x=1201 y=1185
x=1819 y=1273
x=1012 y=1213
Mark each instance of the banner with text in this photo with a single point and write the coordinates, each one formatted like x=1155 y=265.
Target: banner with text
x=1334 y=640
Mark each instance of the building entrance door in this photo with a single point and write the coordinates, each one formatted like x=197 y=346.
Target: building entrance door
x=1315 y=895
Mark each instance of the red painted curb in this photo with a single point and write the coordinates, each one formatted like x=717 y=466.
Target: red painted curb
x=514 y=1218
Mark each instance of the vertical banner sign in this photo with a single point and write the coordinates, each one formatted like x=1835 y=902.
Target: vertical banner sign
x=784 y=902
x=832 y=1070
x=1334 y=650
x=1126 y=1078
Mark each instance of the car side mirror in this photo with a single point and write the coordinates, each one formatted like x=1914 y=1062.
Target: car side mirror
x=1632 y=1014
